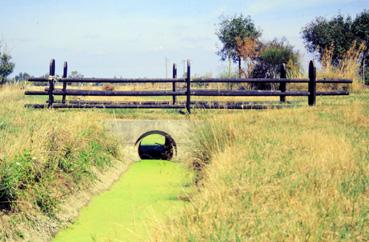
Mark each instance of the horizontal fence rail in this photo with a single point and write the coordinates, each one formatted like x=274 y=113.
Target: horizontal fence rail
x=108 y=93
x=199 y=93
x=186 y=89
x=109 y=106
x=108 y=80
x=195 y=80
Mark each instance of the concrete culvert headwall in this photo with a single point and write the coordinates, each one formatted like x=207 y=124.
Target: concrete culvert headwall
x=131 y=133
x=157 y=151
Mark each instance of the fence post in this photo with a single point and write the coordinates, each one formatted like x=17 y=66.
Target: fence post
x=188 y=92
x=283 y=84
x=65 y=75
x=312 y=84
x=51 y=83
x=174 y=83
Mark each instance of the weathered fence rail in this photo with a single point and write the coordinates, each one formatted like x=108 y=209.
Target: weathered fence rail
x=186 y=91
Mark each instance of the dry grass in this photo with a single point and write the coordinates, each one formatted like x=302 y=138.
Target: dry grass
x=295 y=175
x=348 y=67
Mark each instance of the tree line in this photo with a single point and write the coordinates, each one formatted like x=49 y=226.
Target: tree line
x=241 y=43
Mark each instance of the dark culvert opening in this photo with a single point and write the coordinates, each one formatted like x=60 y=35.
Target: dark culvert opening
x=156 y=145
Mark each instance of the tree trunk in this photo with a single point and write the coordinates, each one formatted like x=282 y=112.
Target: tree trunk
x=363 y=70
x=363 y=67
x=239 y=67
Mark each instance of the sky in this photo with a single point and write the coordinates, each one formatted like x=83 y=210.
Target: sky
x=136 y=38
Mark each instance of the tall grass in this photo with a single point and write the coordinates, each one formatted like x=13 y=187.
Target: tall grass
x=300 y=175
x=348 y=67
x=44 y=157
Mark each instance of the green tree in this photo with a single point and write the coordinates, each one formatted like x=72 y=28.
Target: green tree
x=233 y=29
x=6 y=66
x=22 y=76
x=272 y=56
x=277 y=53
x=75 y=74
x=338 y=34
x=360 y=29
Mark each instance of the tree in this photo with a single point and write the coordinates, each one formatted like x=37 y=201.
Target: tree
x=6 y=66
x=233 y=29
x=22 y=76
x=360 y=29
x=338 y=33
x=75 y=74
x=249 y=51
x=272 y=56
x=278 y=52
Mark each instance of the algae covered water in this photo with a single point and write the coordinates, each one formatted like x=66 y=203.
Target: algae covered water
x=144 y=195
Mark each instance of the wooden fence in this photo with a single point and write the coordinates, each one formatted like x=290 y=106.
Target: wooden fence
x=188 y=91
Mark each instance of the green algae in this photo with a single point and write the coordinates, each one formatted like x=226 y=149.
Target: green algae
x=146 y=194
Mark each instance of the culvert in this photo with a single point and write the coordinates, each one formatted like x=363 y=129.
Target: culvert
x=156 y=151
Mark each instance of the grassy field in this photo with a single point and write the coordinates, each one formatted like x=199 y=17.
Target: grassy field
x=295 y=174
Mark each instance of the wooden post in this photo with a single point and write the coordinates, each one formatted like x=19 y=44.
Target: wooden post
x=312 y=84
x=188 y=92
x=283 y=85
x=174 y=83
x=65 y=75
x=51 y=83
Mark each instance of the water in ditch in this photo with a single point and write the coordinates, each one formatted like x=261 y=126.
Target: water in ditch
x=145 y=195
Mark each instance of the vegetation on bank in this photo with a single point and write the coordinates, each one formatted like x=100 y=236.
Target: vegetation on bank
x=293 y=174
x=45 y=156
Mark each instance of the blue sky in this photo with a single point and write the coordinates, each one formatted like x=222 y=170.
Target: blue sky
x=133 y=38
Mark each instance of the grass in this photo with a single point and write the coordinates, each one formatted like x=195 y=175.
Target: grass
x=45 y=156
x=349 y=67
x=146 y=193
x=294 y=174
